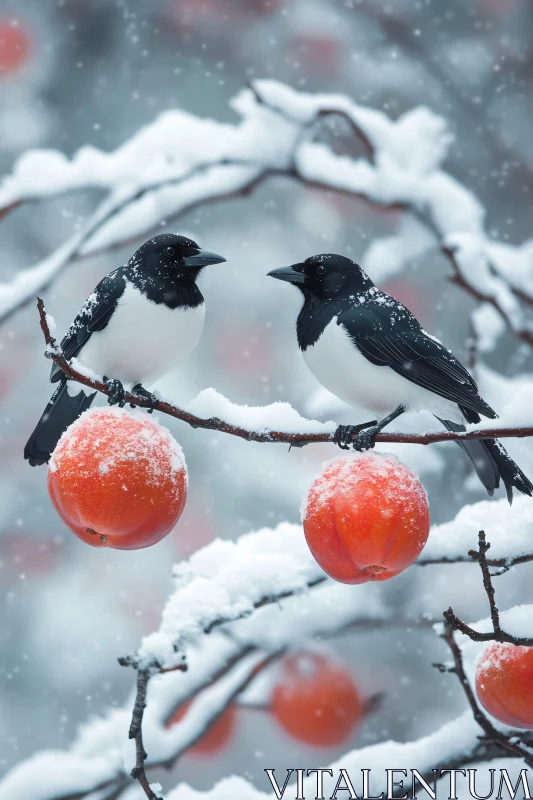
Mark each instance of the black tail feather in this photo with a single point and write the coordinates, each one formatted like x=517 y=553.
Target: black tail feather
x=510 y=472
x=491 y=461
x=62 y=410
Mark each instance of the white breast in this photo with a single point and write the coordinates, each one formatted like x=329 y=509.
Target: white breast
x=143 y=340
x=339 y=366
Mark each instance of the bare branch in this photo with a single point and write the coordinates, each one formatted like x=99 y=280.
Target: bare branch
x=138 y=772
x=505 y=564
x=497 y=634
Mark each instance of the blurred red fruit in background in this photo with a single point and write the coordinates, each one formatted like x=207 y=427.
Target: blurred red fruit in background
x=316 y=700
x=29 y=554
x=216 y=738
x=320 y=52
x=15 y=47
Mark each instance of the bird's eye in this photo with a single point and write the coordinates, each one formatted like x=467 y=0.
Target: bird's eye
x=320 y=269
x=169 y=252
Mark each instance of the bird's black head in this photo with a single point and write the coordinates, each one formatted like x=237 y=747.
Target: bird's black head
x=326 y=276
x=168 y=251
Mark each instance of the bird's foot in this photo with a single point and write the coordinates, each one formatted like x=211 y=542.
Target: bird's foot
x=142 y=392
x=366 y=440
x=344 y=434
x=116 y=392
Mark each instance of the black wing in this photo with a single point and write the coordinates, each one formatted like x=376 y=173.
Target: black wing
x=387 y=334
x=94 y=316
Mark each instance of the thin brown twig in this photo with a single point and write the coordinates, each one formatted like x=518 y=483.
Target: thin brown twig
x=497 y=634
x=371 y=704
x=7 y=209
x=481 y=557
x=136 y=733
x=504 y=563
x=295 y=439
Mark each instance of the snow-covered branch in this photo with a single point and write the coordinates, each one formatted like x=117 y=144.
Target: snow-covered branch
x=220 y=667
x=228 y=581
x=296 y=431
x=490 y=288
x=241 y=583
x=257 y=597
x=180 y=161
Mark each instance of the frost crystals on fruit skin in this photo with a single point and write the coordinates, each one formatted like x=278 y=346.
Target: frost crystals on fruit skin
x=366 y=518
x=504 y=684
x=118 y=479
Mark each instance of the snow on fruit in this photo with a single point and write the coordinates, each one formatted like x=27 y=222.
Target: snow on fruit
x=504 y=684
x=216 y=738
x=118 y=479
x=316 y=700
x=366 y=518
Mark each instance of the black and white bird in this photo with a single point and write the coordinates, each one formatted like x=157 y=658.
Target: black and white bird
x=367 y=349
x=141 y=321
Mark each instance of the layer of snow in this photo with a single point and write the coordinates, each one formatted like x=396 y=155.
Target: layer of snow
x=488 y=327
x=517 y=411
x=471 y=257
x=274 y=417
x=390 y=254
x=53 y=774
x=508 y=529
x=455 y=740
x=224 y=580
x=180 y=160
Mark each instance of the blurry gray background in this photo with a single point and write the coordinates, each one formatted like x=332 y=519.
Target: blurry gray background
x=74 y=72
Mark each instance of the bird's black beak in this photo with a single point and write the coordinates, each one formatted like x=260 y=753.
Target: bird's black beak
x=203 y=258
x=290 y=274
